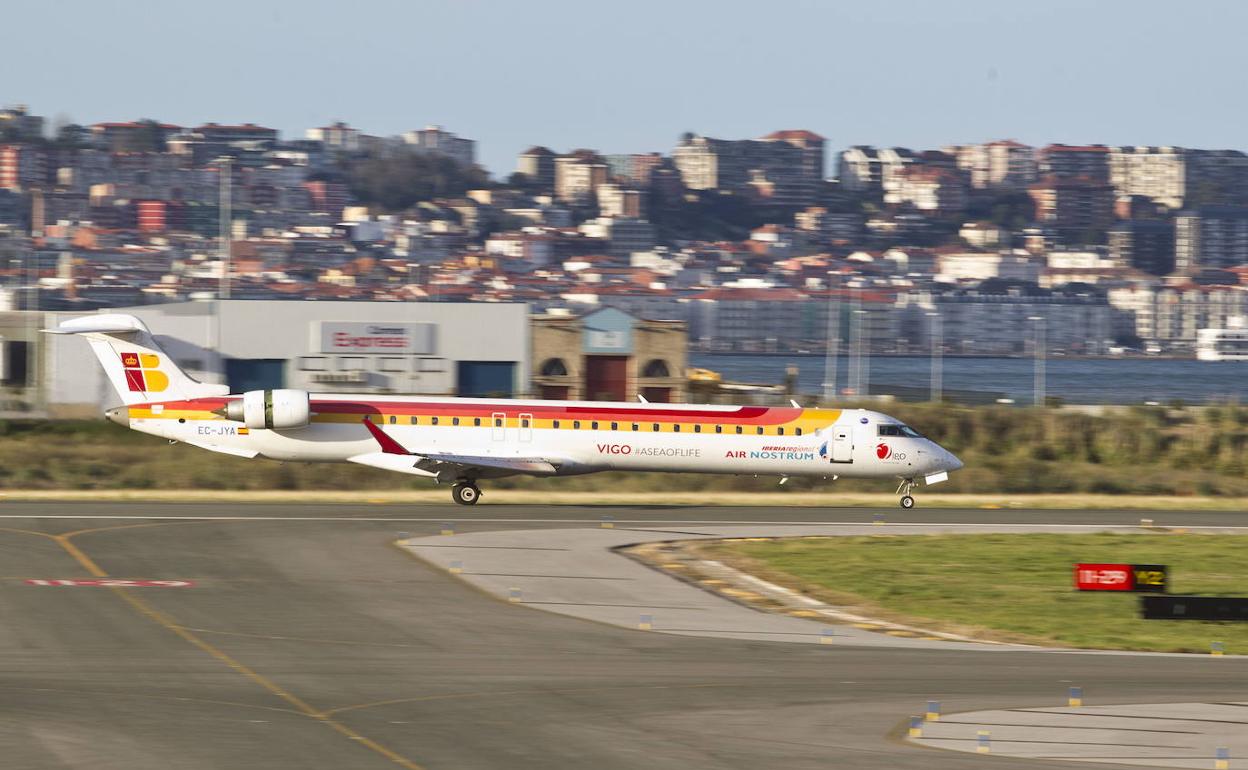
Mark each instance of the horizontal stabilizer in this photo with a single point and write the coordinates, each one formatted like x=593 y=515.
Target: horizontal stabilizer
x=138 y=369
x=109 y=323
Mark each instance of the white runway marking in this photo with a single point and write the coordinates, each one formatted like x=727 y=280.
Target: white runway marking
x=652 y=522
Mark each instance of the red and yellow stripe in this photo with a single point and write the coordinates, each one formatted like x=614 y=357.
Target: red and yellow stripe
x=590 y=416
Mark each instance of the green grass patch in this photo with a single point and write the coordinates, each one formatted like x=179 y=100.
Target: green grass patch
x=1015 y=588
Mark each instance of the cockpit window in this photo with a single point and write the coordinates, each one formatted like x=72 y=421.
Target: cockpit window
x=899 y=430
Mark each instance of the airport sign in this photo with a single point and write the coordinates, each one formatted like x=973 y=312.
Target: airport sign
x=1121 y=577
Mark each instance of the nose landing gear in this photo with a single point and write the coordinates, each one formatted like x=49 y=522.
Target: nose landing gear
x=465 y=493
x=904 y=489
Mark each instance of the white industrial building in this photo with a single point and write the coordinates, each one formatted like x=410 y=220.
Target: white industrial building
x=466 y=349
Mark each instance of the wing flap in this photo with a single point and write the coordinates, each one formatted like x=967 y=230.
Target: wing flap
x=391 y=462
x=536 y=466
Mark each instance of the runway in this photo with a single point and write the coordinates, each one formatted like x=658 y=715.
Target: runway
x=307 y=639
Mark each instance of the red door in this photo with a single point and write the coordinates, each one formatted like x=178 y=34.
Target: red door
x=555 y=392
x=657 y=395
x=606 y=378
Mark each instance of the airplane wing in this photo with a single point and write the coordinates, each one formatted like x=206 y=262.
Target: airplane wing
x=391 y=462
x=394 y=456
x=435 y=461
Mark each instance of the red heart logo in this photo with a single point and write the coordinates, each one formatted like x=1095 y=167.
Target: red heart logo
x=882 y=451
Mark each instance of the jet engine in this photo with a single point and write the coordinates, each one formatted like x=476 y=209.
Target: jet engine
x=274 y=409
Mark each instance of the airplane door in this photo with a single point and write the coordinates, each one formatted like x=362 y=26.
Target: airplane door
x=842 y=449
x=526 y=427
x=499 y=431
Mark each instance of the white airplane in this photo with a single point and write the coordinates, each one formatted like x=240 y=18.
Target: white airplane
x=463 y=440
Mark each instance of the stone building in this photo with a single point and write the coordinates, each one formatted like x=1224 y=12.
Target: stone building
x=608 y=355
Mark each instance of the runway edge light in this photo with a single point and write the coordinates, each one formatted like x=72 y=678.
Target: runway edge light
x=1074 y=698
x=933 y=711
x=983 y=743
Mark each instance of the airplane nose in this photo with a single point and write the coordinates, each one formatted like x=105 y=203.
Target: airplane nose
x=119 y=415
x=952 y=463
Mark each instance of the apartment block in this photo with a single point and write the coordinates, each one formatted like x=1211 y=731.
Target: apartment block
x=228 y=134
x=1063 y=161
x=999 y=165
x=1212 y=236
x=21 y=166
x=786 y=166
x=19 y=124
x=338 y=136
x=635 y=169
x=1173 y=176
x=1072 y=205
x=538 y=164
x=1143 y=244
x=869 y=170
x=578 y=176
x=433 y=139
x=135 y=135
x=928 y=189
x=617 y=201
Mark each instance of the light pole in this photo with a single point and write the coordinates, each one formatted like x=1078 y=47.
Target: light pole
x=831 y=345
x=224 y=215
x=936 y=333
x=1038 y=345
x=864 y=344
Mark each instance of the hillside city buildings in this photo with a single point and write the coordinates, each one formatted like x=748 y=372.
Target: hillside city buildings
x=756 y=244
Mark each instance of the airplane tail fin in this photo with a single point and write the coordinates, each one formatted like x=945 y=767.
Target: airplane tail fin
x=136 y=366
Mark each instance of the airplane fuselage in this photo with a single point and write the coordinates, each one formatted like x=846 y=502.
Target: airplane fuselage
x=575 y=437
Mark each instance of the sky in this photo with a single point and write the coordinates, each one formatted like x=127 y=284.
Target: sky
x=633 y=76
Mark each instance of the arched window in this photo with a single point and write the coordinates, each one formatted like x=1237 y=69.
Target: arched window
x=554 y=367
x=656 y=367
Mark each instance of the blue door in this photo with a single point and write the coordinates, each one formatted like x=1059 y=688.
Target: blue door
x=485 y=379
x=244 y=374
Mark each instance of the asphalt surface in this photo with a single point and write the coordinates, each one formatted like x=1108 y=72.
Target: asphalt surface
x=309 y=640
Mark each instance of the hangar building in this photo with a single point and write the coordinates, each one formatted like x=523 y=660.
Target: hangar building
x=464 y=349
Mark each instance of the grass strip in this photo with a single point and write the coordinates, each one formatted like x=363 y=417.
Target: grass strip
x=1016 y=588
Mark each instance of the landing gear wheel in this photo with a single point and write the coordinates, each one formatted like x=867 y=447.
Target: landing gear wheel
x=465 y=494
x=903 y=489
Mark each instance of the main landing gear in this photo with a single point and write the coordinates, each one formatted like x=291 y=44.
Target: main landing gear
x=904 y=489
x=465 y=493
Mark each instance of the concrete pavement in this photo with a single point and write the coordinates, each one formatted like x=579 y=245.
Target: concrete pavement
x=307 y=640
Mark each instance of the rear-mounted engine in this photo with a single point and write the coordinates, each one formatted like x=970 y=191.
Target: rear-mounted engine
x=274 y=409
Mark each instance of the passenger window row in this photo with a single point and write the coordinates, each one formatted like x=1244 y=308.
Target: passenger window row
x=635 y=427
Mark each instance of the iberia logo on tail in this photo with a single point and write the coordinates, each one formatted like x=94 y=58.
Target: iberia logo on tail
x=142 y=374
